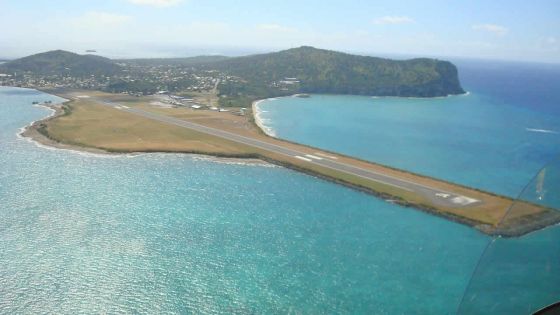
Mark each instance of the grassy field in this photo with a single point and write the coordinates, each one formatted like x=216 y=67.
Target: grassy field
x=105 y=128
x=95 y=126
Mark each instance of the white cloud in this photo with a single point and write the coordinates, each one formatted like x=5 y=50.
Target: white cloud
x=156 y=3
x=492 y=28
x=100 y=20
x=392 y=19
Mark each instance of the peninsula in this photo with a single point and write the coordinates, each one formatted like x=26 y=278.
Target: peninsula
x=202 y=105
x=117 y=123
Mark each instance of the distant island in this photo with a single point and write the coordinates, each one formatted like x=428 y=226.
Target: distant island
x=238 y=81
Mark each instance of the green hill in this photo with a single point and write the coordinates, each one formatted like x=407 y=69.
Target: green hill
x=297 y=70
x=60 y=62
x=311 y=70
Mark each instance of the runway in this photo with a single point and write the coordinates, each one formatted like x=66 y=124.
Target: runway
x=323 y=159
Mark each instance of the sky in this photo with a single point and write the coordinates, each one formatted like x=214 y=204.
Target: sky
x=509 y=30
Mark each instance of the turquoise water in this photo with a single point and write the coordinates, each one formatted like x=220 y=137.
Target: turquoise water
x=495 y=138
x=170 y=233
x=164 y=233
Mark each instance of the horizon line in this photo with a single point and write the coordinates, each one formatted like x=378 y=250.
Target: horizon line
x=248 y=51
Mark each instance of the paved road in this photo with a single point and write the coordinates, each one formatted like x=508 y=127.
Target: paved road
x=438 y=196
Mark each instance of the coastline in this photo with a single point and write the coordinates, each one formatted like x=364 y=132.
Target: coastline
x=467 y=93
x=259 y=121
x=32 y=133
x=515 y=229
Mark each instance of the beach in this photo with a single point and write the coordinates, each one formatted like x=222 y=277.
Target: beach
x=257 y=112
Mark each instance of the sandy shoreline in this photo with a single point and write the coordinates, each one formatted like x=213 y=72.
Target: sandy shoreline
x=259 y=120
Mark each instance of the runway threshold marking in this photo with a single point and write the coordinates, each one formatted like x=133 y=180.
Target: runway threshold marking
x=326 y=156
x=313 y=157
x=303 y=158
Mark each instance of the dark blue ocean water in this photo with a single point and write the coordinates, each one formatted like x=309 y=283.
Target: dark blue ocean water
x=533 y=86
